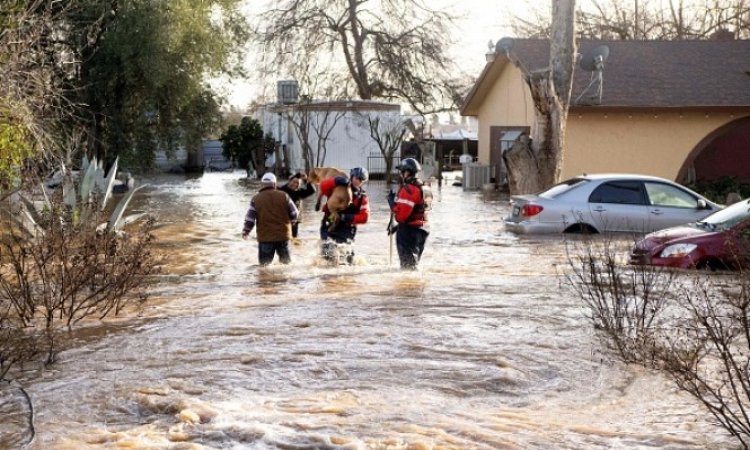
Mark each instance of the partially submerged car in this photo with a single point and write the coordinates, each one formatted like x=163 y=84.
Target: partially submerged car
x=720 y=241
x=608 y=202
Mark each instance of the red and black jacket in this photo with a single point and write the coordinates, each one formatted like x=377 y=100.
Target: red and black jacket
x=409 y=207
x=358 y=212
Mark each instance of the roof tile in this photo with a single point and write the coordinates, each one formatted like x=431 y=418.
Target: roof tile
x=658 y=73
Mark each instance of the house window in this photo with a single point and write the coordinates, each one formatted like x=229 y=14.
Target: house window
x=508 y=138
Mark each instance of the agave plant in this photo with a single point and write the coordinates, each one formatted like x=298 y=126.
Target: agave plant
x=85 y=197
x=64 y=258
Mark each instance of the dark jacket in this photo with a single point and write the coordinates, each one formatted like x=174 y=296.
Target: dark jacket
x=357 y=213
x=273 y=212
x=301 y=193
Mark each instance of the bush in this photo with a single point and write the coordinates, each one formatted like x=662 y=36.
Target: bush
x=718 y=189
x=65 y=261
x=694 y=327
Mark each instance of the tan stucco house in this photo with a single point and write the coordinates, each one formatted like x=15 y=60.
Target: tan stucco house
x=675 y=109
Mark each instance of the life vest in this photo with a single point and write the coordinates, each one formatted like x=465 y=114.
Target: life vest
x=412 y=203
x=359 y=207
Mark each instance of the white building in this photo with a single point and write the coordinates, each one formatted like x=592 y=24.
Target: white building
x=338 y=131
x=177 y=161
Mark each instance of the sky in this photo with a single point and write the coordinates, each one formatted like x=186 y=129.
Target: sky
x=482 y=21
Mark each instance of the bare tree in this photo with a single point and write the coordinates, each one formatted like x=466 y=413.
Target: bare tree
x=625 y=305
x=33 y=69
x=68 y=259
x=693 y=328
x=647 y=19
x=389 y=49
x=538 y=164
x=388 y=132
x=706 y=351
x=313 y=124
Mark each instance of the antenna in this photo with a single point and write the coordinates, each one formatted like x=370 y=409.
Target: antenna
x=504 y=45
x=593 y=61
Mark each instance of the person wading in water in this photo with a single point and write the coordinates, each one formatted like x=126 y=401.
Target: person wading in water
x=273 y=212
x=409 y=207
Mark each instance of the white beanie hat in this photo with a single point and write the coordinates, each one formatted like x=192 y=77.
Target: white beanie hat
x=268 y=178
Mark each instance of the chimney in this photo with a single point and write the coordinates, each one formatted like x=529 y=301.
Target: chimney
x=490 y=55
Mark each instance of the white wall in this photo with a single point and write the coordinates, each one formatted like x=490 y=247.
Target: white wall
x=161 y=161
x=349 y=143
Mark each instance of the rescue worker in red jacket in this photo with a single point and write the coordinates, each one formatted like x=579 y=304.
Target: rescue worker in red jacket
x=357 y=213
x=409 y=208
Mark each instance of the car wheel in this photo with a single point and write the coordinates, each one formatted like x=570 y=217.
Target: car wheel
x=711 y=265
x=581 y=228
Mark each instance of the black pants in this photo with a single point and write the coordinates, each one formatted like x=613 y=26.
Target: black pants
x=295 y=228
x=410 y=243
x=266 y=251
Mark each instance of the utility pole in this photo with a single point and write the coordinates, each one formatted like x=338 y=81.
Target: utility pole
x=277 y=159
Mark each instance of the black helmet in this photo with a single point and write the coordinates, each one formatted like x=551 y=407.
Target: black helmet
x=359 y=172
x=411 y=165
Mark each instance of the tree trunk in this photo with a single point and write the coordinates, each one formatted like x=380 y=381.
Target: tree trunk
x=521 y=161
x=537 y=165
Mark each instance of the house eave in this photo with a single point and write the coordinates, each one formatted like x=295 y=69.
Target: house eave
x=641 y=109
x=483 y=85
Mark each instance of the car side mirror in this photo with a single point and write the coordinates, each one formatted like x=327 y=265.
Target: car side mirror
x=702 y=204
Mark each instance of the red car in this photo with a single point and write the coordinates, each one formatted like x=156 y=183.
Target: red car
x=719 y=241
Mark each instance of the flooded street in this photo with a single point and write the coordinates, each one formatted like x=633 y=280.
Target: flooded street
x=483 y=348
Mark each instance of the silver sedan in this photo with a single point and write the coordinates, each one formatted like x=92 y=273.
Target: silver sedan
x=608 y=202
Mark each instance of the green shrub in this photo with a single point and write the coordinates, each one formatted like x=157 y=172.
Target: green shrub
x=718 y=189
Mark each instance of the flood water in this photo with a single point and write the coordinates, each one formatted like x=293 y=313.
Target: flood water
x=483 y=348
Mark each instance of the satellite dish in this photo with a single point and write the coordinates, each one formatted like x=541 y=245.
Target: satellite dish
x=593 y=60
x=504 y=45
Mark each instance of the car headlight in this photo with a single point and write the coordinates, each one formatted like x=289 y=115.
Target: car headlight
x=677 y=250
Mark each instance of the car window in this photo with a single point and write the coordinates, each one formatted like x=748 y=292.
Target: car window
x=661 y=194
x=623 y=192
x=563 y=187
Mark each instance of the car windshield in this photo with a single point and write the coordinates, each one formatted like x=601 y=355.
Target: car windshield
x=729 y=216
x=562 y=187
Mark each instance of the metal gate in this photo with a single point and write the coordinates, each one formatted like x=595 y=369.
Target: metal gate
x=376 y=164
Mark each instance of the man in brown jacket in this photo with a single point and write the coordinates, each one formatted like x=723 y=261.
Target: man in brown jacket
x=273 y=211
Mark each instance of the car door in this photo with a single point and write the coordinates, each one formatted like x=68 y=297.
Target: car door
x=668 y=205
x=619 y=205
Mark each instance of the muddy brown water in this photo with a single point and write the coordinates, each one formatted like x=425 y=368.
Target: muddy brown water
x=483 y=348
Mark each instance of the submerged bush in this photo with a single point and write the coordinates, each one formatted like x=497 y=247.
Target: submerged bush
x=64 y=257
x=693 y=327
